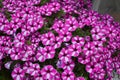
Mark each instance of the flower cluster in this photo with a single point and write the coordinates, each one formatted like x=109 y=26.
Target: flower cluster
x=58 y=40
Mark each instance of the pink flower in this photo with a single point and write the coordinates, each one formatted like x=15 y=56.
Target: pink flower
x=89 y=49
x=57 y=76
x=71 y=23
x=65 y=35
x=78 y=40
x=55 y=6
x=46 y=10
x=98 y=45
x=27 y=66
x=74 y=50
x=16 y=54
x=28 y=53
x=58 y=26
x=34 y=69
x=64 y=55
x=67 y=8
x=98 y=34
x=68 y=75
x=98 y=75
x=91 y=67
x=68 y=65
x=3 y=23
x=19 y=40
x=18 y=74
x=49 y=52
x=57 y=43
x=40 y=54
x=47 y=38
x=11 y=29
x=48 y=72
x=34 y=22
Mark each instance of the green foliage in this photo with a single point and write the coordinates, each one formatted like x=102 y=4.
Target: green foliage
x=5 y=74
x=49 y=22
x=54 y=16
x=79 y=69
x=8 y=15
x=1 y=4
x=43 y=2
x=81 y=32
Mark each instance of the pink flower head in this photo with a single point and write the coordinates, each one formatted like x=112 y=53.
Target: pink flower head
x=57 y=43
x=74 y=50
x=46 y=10
x=11 y=29
x=64 y=55
x=65 y=35
x=68 y=75
x=5 y=41
x=28 y=53
x=98 y=34
x=48 y=72
x=98 y=75
x=91 y=67
x=27 y=66
x=18 y=74
x=19 y=40
x=55 y=6
x=34 y=23
x=58 y=26
x=89 y=49
x=34 y=69
x=34 y=39
x=98 y=45
x=49 y=52
x=78 y=40
x=71 y=23
x=67 y=8
x=3 y=23
x=69 y=65
x=111 y=31
x=57 y=76
x=16 y=54
x=40 y=55
x=47 y=38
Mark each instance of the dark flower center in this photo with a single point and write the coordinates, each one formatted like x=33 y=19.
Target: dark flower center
x=75 y=49
x=89 y=49
x=48 y=71
x=96 y=46
x=64 y=54
x=48 y=51
x=77 y=41
x=68 y=75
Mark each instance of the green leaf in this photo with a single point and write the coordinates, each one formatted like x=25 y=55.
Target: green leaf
x=1 y=5
x=43 y=2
